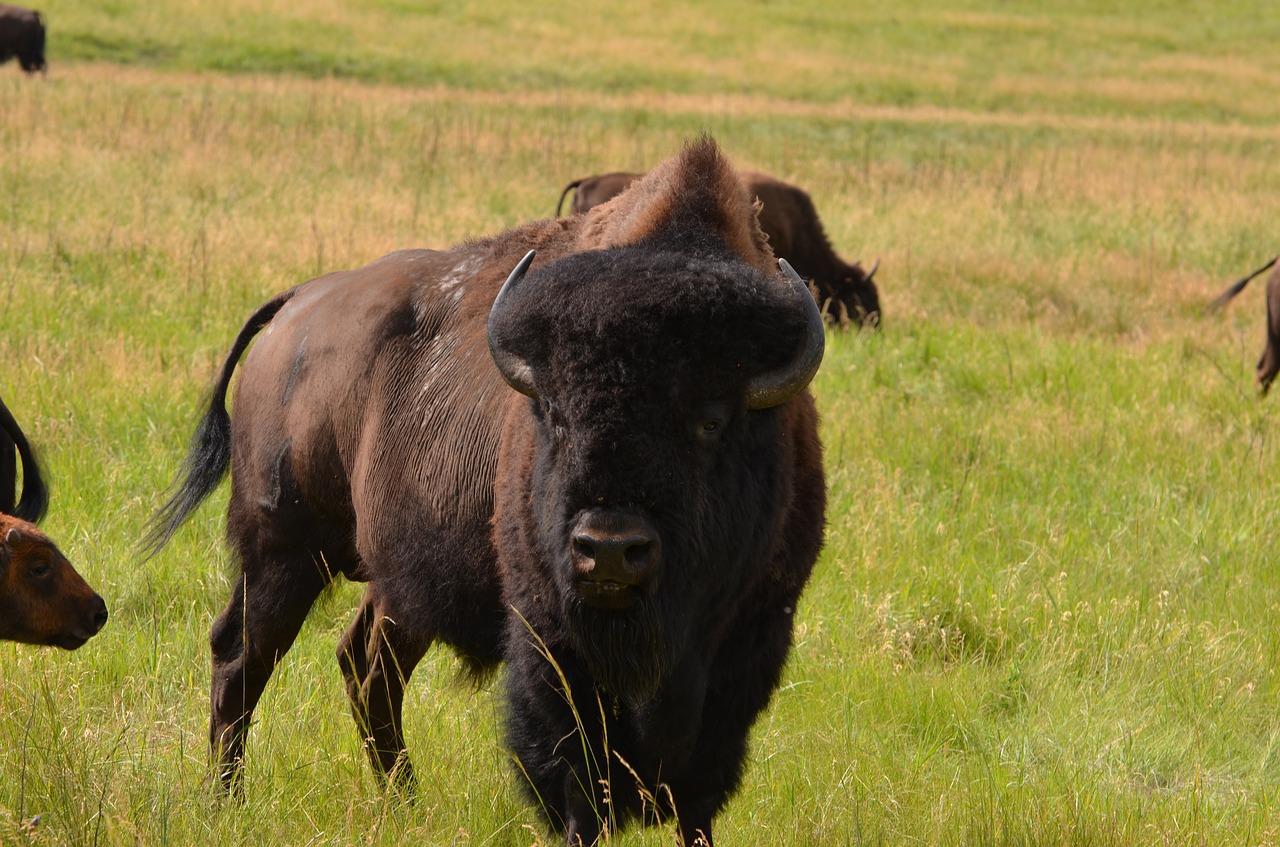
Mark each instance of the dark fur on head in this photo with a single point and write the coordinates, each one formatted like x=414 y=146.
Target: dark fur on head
x=655 y=344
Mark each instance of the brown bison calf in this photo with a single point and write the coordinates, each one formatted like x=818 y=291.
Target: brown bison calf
x=42 y=598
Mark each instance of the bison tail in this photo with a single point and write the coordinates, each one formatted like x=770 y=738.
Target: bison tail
x=563 y=194
x=35 y=495
x=1238 y=286
x=209 y=456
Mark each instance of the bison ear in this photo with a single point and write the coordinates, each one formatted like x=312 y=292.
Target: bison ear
x=777 y=386
x=514 y=369
x=12 y=537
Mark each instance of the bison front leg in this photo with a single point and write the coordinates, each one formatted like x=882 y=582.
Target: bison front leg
x=257 y=627
x=377 y=656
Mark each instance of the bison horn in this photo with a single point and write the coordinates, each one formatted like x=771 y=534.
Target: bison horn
x=514 y=370
x=872 y=272
x=779 y=386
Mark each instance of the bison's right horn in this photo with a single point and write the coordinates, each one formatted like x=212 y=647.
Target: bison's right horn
x=874 y=267
x=779 y=386
x=515 y=370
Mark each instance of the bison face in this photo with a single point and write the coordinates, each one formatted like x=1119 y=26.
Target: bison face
x=653 y=476
x=42 y=598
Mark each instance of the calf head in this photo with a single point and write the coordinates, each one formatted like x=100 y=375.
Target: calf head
x=42 y=598
x=653 y=379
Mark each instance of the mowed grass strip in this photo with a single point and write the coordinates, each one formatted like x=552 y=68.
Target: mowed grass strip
x=1046 y=613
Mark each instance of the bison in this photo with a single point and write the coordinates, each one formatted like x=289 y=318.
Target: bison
x=22 y=36
x=844 y=292
x=1269 y=361
x=605 y=471
x=42 y=598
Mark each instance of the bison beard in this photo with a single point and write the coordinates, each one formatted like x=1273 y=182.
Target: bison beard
x=628 y=653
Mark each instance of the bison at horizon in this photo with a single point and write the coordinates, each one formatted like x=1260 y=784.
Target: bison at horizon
x=22 y=36
x=605 y=471
x=845 y=293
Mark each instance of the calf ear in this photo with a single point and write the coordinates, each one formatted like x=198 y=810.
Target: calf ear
x=6 y=549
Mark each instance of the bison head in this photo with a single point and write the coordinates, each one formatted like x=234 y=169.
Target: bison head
x=42 y=598
x=855 y=299
x=652 y=473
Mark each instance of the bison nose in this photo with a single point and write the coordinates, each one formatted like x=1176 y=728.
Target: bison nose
x=613 y=554
x=99 y=614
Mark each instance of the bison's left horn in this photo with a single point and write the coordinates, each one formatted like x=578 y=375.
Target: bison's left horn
x=779 y=386
x=514 y=370
x=874 y=268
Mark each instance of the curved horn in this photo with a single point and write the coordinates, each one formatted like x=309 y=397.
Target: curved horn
x=873 y=270
x=780 y=385
x=514 y=370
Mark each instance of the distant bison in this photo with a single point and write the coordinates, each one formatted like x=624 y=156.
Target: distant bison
x=22 y=36
x=845 y=293
x=630 y=527
x=42 y=598
x=1269 y=362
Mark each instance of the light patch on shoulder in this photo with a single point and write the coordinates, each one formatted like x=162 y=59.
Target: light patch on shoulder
x=456 y=279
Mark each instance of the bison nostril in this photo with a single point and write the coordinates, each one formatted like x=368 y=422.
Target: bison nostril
x=583 y=547
x=637 y=554
x=99 y=615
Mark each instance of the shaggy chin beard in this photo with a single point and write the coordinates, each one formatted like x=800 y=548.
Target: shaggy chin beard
x=629 y=653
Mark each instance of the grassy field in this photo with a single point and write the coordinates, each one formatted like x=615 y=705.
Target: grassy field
x=1048 y=609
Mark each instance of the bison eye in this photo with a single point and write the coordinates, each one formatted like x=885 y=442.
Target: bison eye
x=709 y=431
x=553 y=416
x=41 y=569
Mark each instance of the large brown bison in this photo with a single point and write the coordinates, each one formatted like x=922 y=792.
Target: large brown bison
x=625 y=508
x=1269 y=361
x=22 y=36
x=845 y=293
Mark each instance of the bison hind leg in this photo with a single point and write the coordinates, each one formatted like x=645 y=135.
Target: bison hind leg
x=258 y=626
x=377 y=656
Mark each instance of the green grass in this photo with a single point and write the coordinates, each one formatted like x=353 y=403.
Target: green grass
x=1047 y=611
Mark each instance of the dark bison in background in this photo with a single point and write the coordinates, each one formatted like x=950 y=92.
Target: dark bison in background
x=22 y=36
x=845 y=293
x=42 y=598
x=605 y=471
x=1269 y=361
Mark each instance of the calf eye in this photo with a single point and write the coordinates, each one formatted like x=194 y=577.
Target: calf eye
x=41 y=569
